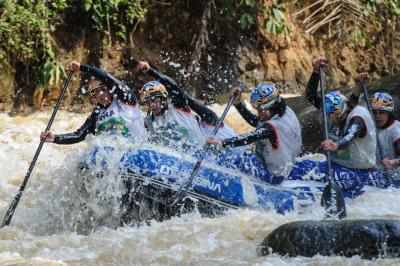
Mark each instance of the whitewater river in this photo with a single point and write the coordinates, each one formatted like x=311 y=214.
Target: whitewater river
x=48 y=229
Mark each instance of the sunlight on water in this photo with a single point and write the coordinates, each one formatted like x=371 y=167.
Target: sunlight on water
x=50 y=228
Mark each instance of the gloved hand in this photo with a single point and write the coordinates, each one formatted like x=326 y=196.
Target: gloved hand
x=318 y=63
x=360 y=79
x=237 y=92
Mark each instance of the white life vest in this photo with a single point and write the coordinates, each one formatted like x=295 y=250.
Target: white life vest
x=279 y=160
x=224 y=132
x=180 y=123
x=387 y=138
x=361 y=152
x=121 y=118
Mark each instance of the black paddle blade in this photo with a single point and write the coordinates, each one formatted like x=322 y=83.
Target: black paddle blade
x=11 y=209
x=333 y=201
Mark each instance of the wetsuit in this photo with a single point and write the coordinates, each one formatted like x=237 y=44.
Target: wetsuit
x=122 y=113
x=356 y=128
x=355 y=136
x=181 y=100
x=177 y=126
x=277 y=143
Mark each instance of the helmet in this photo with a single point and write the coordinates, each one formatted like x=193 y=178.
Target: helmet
x=153 y=89
x=335 y=102
x=382 y=101
x=264 y=95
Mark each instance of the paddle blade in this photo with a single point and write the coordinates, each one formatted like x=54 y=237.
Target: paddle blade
x=10 y=211
x=333 y=201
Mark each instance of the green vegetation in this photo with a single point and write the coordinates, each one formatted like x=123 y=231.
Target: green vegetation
x=119 y=16
x=271 y=15
x=25 y=31
x=27 y=27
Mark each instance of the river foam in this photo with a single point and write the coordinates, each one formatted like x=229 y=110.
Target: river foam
x=48 y=230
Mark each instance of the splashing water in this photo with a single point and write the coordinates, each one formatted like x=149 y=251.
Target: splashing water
x=64 y=219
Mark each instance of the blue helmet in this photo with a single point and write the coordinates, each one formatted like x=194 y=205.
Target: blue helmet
x=335 y=102
x=382 y=101
x=264 y=95
x=153 y=89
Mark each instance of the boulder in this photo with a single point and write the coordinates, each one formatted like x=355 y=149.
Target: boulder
x=310 y=120
x=366 y=238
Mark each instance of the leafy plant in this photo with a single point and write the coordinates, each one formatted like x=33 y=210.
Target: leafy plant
x=115 y=16
x=25 y=28
x=248 y=17
x=275 y=21
x=273 y=18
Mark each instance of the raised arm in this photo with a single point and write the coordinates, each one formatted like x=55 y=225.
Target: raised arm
x=116 y=86
x=178 y=97
x=247 y=114
x=312 y=93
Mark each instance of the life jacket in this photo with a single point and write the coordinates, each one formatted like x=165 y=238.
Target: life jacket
x=279 y=158
x=361 y=152
x=120 y=118
x=387 y=137
x=224 y=132
x=175 y=125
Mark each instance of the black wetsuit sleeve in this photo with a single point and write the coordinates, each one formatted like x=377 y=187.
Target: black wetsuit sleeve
x=79 y=135
x=356 y=129
x=265 y=132
x=206 y=114
x=312 y=93
x=178 y=97
x=246 y=114
x=353 y=100
x=116 y=86
x=181 y=100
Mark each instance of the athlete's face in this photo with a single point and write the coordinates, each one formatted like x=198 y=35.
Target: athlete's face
x=381 y=118
x=156 y=106
x=101 y=96
x=336 y=118
x=264 y=115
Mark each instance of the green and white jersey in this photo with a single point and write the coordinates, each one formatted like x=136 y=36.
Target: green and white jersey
x=175 y=128
x=120 y=118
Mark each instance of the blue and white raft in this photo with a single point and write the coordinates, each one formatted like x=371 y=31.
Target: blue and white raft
x=229 y=188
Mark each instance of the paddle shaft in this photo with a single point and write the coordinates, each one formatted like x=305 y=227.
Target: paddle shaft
x=325 y=121
x=332 y=196
x=10 y=212
x=196 y=168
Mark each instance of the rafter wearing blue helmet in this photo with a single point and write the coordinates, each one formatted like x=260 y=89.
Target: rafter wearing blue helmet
x=277 y=136
x=388 y=129
x=352 y=136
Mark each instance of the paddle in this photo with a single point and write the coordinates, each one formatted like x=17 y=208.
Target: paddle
x=378 y=143
x=182 y=189
x=10 y=212
x=332 y=196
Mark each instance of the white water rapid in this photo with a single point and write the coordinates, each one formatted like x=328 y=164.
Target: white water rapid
x=48 y=229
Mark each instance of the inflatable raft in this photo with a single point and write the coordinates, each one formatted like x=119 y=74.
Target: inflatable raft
x=227 y=187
